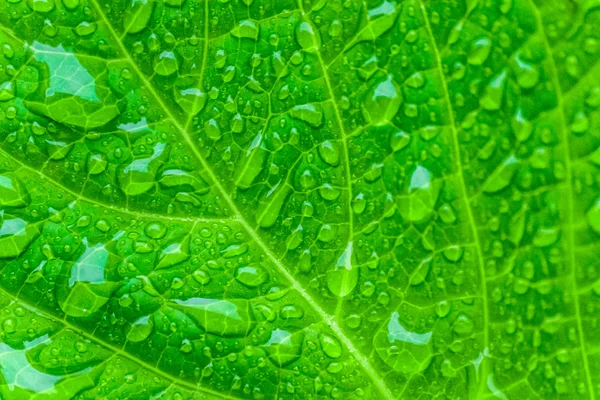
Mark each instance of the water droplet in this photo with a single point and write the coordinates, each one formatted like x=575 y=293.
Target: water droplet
x=85 y=28
x=453 y=253
x=399 y=140
x=521 y=127
x=250 y=164
x=335 y=28
x=284 y=347
x=165 y=63
x=309 y=113
x=405 y=351
x=527 y=74
x=502 y=176
x=480 y=51
x=220 y=317
x=420 y=273
x=359 y=203
x=572 y=66
x=202 y=277
x=70 y=4
x=305 y=262
x=190 y=98
x=442 y=308
x=423 y=192
x=15 y=236
x=220 y=58
x=140 y=175
x=9 y=326
x=229 y=74
x=7 y=91
x=308 y=37
x=295 y=238
x=174 y=254
x=580 y=123
x=329 y=153
x=43 y=6
x=447 y=214
x=415 y=81
x=463 y=324
x=326 y=233
x=12 y=191
x=212 y=129
x=140 y=329
x=291 y=311
x=328 y=192
x=83 y=289
x=96 y=163
x=383 y=102
x=155 y=230
x=252 y=275
x=235 y=250
x=593 y=216
x=331 y=346
x=494 y=93
x=343 y=277
x=271 y=204
x=138 y=15
x=246 y=29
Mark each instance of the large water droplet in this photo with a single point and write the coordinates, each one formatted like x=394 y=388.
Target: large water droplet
x=190 y=98
x=284 y=347
x=246 y=29
x=382 y=102
x=480 y=51
x=494 y=93
x=85 y=289
x=83 y=102
x=593 y=216
x=309 y=113
x=423 y=192
x=15 y=236
x=42 y=6
x=7 y=91
x=252 y=275
x=174 y=254
x=527 y=74
x=250 y=164
x=308 y=36
x=329 y=153
x=405 y=351
x=331 y=346
x=221 y=317
x=502 y=176
x=140 y=175
x=138 y=15
x=343 y=277
x=12 y=191
x=140 y=329
x=165 y=63
x=271 y=204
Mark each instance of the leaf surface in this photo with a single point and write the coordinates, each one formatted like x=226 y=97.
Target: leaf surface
x=265 y=199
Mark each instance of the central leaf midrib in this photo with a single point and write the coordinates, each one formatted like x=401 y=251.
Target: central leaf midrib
x=363 y=361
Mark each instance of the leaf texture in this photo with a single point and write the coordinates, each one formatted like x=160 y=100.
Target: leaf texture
x=280 y=199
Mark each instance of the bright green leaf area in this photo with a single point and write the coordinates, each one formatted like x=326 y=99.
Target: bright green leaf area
x=299 y=199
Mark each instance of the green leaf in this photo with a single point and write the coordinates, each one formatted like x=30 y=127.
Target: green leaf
x=280 y=199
